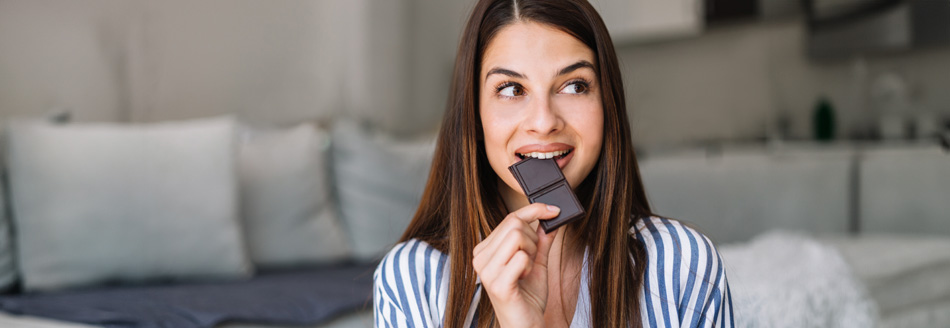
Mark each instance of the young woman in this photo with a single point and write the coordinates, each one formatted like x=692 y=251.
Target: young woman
x=540 y=78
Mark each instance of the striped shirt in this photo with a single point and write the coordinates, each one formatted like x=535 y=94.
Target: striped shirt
x=684 y=283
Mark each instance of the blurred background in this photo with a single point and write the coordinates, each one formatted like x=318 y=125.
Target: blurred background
x=695 y=71
x=823 y=117
x=700 y=75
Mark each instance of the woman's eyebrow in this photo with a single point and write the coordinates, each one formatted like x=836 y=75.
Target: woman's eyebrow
x=565 y=70
x=576 y=66
x=504 y=71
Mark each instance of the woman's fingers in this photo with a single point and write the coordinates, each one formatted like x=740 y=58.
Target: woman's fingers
x=509 y=275
x=513 y=250
x=521 y=219
x=510 y=243
x=497 y=236
x=535 y=212
x=511 y=263
x=544 y=247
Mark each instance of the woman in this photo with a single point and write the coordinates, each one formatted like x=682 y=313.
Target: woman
x=540 y=78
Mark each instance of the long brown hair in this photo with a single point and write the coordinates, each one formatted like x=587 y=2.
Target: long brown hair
x=461 y=201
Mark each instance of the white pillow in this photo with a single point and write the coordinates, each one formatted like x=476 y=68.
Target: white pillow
x=379 y=183
x=285 y=197
x=105 y=202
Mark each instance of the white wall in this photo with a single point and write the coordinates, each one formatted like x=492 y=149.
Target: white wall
x=434 y=35
x=63 y=53
x=266 y=61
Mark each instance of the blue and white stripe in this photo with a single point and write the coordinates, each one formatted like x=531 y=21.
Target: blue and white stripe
x=685 y=283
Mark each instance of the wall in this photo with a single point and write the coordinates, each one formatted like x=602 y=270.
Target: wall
x=55 y=54
x=389 y=63
x=265 y=61
x=734 y=82
x=730 y=83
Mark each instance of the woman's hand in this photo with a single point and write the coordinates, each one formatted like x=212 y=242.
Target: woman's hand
x=512 y=265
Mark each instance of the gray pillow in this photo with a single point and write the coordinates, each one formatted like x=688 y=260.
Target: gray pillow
x=379 y=182
x=285 y=197
x=127 y=203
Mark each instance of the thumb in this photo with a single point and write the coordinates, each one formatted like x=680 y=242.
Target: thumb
x=545 y=240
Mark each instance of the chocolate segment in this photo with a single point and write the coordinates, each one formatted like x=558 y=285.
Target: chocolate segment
x=542 y=181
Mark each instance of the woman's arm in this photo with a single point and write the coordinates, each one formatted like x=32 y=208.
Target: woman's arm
x=717 y=307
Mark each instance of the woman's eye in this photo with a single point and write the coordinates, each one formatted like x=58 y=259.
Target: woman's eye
x=511 y=91
x=576 y=87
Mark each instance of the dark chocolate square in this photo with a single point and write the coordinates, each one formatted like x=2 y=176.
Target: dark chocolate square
x=542 y=181
x=535 y=174
x=562 y=197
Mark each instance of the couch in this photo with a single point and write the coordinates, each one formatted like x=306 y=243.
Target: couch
x=811 y=234
x=199 y=223
x=819 y=235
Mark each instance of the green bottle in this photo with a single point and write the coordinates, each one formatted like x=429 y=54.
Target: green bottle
x=824 y=120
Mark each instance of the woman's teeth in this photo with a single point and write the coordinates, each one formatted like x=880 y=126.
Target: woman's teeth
x=547 y=155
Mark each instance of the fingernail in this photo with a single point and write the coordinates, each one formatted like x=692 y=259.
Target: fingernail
x=553 y=208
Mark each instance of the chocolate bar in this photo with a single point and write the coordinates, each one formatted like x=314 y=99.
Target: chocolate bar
x=543 y=182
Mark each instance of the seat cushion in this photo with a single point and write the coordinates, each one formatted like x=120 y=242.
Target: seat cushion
x=298 y=297
x=901 y=271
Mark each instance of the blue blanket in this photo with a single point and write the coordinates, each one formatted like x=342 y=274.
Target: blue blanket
x=305 y=297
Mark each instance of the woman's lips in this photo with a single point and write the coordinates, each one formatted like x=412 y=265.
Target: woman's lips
x=562 y=162
x=543 y=148
x=560 y=152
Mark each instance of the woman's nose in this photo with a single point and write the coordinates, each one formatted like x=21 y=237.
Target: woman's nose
x=542 y=118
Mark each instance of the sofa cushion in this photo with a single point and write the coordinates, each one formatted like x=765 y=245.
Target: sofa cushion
x=285 y=197
x=379 y=181
x=905 y=190
x=104 y=202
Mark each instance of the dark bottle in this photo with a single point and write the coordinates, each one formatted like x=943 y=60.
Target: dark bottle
x=824 y=120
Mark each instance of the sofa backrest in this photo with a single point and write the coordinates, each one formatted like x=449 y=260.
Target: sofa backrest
x=735 y=194
x=905 y=190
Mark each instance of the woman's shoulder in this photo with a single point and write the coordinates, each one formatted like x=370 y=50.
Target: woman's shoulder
x=685 y=279
x=665 y=235
x=411 y=275
x=411 y=261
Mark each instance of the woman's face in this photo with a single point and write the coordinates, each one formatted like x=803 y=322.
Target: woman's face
x=540 y=98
